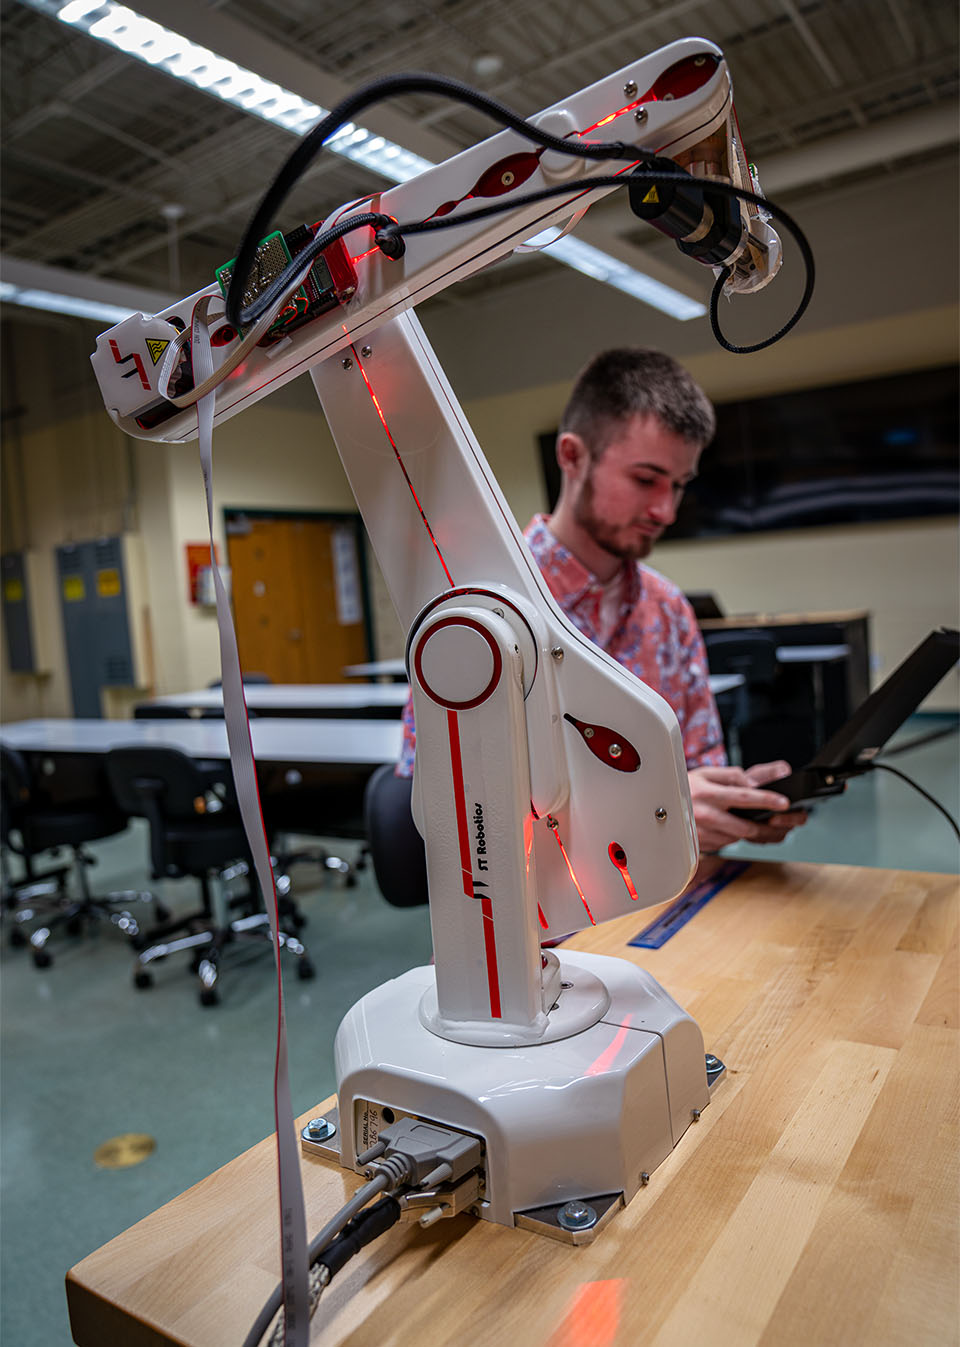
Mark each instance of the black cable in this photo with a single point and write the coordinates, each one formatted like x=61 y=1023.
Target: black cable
x=885 y=767
x=361 y=1230
x=388 y=231
x=389 y=234
x=374 y=92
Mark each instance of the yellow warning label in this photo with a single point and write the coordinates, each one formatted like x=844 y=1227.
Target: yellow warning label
x=156 y=347
x=13 y=591
x=108 y=583
x=651 y=199
x=73 y=588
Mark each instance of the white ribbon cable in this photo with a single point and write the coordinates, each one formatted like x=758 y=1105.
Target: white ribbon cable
x=293 y=1221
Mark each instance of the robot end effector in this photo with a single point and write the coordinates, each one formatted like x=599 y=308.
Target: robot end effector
x=731 y=235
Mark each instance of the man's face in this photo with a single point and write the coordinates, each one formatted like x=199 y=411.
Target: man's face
x=630 y=494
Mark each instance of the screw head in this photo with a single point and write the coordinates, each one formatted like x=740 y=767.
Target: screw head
x=630 y=88
x=366 y=351
x=557 y=653
x=660 y=814
x=615 y=750
x=319 y=1129
x=577 y=1215
x=347 y=363
x=640 y=116
x=588 y=733
x=644 y=1178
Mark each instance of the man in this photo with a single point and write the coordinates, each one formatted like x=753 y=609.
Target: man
x=629 y=443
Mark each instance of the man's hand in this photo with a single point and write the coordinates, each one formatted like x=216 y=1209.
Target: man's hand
x=717 y=790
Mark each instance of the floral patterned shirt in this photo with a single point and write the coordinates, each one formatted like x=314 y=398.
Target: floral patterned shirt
x=656 y=638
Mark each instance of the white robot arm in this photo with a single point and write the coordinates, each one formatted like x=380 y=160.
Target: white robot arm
x=551 y=788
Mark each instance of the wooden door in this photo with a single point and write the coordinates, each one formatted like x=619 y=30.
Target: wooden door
x=298 y=598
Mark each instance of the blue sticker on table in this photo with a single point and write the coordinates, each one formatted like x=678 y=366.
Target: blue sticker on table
x=687 y=906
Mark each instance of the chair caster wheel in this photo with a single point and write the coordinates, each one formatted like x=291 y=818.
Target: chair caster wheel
x=142 y=978
x=17 y=938
x=305 y=970
x=42 y=958
x=209 y=996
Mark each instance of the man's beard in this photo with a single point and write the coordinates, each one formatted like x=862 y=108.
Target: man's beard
x=608 y=536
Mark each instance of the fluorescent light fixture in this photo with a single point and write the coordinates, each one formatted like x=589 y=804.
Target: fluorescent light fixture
x=166 y=50
x=57 y=303
x=602 y=267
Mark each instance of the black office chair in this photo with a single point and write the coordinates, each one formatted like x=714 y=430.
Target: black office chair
x=752 y=655
x=34 y=822
x=396 y=848
x=196 y=831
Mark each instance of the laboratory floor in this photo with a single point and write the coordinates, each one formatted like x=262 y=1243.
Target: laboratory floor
x=86 y=1057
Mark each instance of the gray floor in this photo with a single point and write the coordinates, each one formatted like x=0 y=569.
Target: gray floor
x=85 y=1057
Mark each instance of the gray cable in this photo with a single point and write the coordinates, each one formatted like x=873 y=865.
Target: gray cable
x=320 y=1241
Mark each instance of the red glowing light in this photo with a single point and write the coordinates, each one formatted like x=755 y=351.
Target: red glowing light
x=563 y=852
x=619 y=857
x=406 y=475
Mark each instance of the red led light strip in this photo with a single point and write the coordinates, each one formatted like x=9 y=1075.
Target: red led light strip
x=552 y=825
x=406 y=475
x=466 y=870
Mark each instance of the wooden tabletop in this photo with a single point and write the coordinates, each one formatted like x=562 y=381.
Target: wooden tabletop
x=815 y=1202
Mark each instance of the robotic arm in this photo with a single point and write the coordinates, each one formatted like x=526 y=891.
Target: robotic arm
x=551 y=788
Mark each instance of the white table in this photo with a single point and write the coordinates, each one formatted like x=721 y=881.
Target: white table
x=395 y=669
x=346 y=742
x=285 y=699
x=811 y=654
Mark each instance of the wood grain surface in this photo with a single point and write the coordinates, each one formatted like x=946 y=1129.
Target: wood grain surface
x=815 y=1202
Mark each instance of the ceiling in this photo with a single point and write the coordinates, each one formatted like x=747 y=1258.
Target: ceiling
x=115 y=170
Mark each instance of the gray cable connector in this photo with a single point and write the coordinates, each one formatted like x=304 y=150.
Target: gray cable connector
x=428 y=1147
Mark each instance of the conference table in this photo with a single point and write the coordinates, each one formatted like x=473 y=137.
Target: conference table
x=813 y=1202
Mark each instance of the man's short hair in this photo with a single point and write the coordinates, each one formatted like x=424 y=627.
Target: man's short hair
x=630 y=381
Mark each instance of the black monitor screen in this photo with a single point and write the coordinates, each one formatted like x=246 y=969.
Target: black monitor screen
x=874 y=450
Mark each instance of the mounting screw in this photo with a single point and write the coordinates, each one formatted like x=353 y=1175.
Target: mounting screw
x=640 y=116
x=660 y=814
x=644 y=1178
x=630 y=88
x=588 y=732
x=557 y=653
x=614 y=750
x=366 y=351
x=319 y=1129
x=498 y=612
x=695 y=1114
x=347 y=363
x=576 y=1215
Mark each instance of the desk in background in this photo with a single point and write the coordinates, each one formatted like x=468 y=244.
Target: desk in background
x=312 y=773
x=814 y=1202
x=846 y=681
x=327 y=700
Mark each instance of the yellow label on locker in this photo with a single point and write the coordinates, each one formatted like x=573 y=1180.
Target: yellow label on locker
x=13 y=591
x=73 y=588
x=108 y=583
